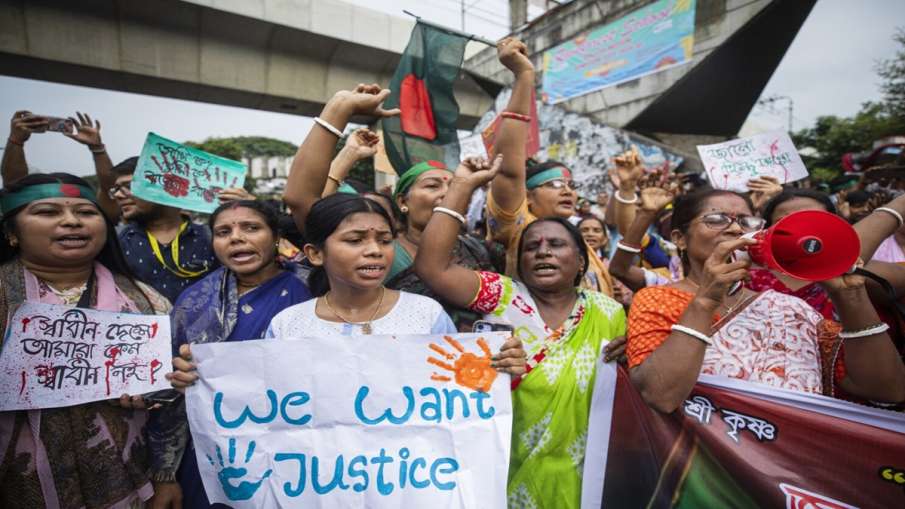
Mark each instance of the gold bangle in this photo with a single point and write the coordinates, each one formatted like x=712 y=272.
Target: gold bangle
x=334 y=179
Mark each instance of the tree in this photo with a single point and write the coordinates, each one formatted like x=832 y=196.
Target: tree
x=223 y=147
x=831 y=137
x=893 y=73
x=249 y=147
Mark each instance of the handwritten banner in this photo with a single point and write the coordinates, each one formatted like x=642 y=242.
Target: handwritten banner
x=646 y=41
x=56 y=356
x=409 y=421
x=172 y=174
x=731 y=164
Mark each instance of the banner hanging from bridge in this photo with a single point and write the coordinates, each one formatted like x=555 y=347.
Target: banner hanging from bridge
x=646 y=41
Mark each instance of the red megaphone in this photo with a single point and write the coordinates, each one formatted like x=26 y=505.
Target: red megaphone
x=811 y=245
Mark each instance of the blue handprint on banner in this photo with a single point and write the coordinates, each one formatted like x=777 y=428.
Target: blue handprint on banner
x=245 y=489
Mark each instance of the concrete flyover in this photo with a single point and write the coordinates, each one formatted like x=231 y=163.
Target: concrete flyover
x=287 y=56
x=737 y=46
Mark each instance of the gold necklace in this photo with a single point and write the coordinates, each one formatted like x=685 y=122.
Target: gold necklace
x=365 y=326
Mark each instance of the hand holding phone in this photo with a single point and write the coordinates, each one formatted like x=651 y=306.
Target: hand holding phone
x=60 y=125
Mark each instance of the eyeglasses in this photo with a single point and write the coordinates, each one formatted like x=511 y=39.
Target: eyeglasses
x=720 y=221
x=559 y=184
x=126 y=189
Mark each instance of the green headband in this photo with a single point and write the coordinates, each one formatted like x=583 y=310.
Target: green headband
x=12 y=201
x=411 y=175
x=346 y=189
x=546 y=176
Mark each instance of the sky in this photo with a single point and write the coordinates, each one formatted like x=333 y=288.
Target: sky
x=828 y=70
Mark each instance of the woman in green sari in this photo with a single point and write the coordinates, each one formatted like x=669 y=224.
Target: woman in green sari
x=563 y=329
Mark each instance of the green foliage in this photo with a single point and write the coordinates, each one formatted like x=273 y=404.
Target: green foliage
x=831 y=137
x=245 y=146
x=893 y=73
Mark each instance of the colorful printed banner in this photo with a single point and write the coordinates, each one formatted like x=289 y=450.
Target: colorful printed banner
x=744 y=445
x=172 y=174
x=731 y=164
x=413 y=421
x=646 y=41
x=55 y=356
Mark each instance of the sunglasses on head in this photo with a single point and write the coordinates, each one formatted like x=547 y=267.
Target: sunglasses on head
x=721 y=221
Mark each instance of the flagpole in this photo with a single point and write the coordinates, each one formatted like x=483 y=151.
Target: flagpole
x=453 y=31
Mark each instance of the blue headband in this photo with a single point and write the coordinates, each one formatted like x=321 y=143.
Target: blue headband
x=26 y=195
x=546 y=176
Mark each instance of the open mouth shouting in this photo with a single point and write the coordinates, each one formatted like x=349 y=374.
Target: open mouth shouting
x=545 y=269
x=371 y=271
x=241 y=257
x=73 y=240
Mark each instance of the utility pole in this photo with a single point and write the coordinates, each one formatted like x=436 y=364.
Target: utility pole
x=462 y=13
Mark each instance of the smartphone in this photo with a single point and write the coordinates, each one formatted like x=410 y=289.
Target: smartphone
x=165 y=397
x=59 y=124
x=485 y=326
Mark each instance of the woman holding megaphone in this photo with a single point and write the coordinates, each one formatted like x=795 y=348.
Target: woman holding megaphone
x=698 y=325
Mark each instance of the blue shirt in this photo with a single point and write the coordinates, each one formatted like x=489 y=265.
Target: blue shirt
x=195 y=254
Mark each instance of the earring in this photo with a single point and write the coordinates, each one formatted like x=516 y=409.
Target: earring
x=404 y=209
x=13 y=241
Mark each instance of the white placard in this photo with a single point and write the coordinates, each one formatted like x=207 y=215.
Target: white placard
x=56 y=356
x=730 y=165
x=366 y=421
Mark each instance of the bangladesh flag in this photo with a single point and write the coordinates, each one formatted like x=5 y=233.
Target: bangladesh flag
x=423 y=89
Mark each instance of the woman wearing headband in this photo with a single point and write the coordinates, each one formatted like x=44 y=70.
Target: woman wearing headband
x=58 y=248
x=417 y=192
x=519 y=195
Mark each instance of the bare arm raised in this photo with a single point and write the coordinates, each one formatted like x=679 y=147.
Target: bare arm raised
x=312 y=161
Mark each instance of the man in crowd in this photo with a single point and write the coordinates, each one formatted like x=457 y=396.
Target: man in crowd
x=162 y=247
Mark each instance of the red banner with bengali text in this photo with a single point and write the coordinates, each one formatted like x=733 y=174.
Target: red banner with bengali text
x=745 y=445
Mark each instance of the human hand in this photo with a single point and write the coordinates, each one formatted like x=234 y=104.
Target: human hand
x=130 y=402
x=720 y=272
x=23 y=124
x=477 y=171
x=366 y=100
x=848 y=282
x=763 y=189
x=86 y=131
x=167 y=495
x=511 y=359
x=658 y=190
x=513 y=54
x=184 y=373
x=234 y=194
x=615 y=350
x=629 y=168
x=361 y=144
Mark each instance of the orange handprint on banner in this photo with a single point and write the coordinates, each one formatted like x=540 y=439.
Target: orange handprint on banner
x=470 y=370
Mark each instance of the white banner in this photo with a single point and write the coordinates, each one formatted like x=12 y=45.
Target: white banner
x=56 y=356
x=373 y=421
x=731 y=164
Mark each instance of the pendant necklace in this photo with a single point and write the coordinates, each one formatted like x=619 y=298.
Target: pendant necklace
x=365 y=326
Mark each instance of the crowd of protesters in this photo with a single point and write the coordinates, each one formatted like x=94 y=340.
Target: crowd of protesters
x=642 y=275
